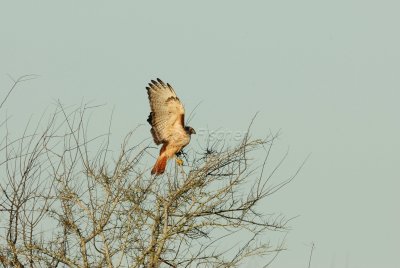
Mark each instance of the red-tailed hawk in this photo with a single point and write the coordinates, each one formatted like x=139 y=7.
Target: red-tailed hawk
x=167 y=118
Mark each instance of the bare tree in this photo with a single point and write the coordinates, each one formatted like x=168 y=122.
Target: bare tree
x=67 y=200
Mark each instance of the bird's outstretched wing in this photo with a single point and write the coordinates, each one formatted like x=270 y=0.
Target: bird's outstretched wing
x=167 y=112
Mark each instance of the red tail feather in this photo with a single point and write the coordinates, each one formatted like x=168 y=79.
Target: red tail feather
x=160 y=165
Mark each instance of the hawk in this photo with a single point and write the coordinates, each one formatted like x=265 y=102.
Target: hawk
x=167 y=120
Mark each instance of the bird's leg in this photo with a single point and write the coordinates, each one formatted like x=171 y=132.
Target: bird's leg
x=179 y=160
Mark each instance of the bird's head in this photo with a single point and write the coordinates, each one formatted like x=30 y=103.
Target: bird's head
x=190 y=130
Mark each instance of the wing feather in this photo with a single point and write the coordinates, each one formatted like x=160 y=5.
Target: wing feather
x=167 y=111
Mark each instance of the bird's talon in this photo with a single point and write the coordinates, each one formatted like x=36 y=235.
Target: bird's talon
x=179 y=161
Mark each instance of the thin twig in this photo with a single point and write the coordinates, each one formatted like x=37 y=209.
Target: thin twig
x=311 y=252
x=16 y=82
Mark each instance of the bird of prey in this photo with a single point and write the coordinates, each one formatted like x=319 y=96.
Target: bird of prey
x=167 y=120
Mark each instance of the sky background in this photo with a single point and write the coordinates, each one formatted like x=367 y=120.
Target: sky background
x=325 y=73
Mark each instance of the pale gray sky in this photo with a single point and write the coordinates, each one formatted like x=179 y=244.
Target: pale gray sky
x=324 y=72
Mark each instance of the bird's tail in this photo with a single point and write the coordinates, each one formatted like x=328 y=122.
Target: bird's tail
x=159 y=166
